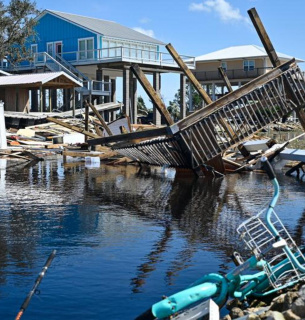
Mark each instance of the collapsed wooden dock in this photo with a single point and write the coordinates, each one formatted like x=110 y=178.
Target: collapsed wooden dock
x=201 y=138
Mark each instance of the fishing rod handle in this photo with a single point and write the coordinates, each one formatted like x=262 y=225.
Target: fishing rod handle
x=268 y=168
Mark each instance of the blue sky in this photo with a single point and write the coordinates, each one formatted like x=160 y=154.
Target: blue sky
x=196 y=27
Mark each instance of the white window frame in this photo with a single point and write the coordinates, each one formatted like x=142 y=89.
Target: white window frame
x=86 y=49
x=35 y=45
x=246 y=65
x=52 y=44
x=132 y=49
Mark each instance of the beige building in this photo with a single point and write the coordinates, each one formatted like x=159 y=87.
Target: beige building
x=241 y=64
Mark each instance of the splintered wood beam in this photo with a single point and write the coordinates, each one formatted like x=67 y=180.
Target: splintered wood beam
x=131 y=136
x=262 y=33
x=152 y=93
x=73 y=128
x=227 y=127
x=225 y=79
x=103 y=122
x=189 y=74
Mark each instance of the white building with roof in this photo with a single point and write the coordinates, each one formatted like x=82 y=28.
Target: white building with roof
x=241 y=64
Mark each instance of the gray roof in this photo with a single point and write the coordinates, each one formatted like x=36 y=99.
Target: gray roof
x=35 y=78
x=104 y=27
x=241 y=52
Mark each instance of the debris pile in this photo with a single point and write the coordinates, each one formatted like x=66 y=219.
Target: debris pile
x=286 y=306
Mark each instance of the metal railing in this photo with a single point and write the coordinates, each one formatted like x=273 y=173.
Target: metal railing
x=69 y=66
x=44 y=59
x=125 y=54
x=232 y=74
x=97 y=87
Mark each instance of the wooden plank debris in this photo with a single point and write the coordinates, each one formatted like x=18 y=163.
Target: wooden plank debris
x=188 y=73
x=225 y=79
x=130 y=136
x=74 y=128
x=103 y=122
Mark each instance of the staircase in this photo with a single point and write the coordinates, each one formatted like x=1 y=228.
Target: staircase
x=60 y=64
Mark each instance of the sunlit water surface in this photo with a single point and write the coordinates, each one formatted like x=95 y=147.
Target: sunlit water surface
x=123 y=238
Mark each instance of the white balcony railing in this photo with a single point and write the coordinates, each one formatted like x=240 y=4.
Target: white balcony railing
x=125 y=54
x=106 y=55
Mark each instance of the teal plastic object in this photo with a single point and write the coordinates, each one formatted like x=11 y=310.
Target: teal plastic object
x=197 y=292
x=183 y=299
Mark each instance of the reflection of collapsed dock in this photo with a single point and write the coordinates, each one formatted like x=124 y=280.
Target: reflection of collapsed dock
x=202 y=137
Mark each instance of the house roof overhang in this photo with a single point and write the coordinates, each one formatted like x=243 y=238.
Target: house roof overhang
x=58 y=80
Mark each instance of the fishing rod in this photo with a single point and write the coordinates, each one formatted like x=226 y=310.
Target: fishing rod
x=36 y=284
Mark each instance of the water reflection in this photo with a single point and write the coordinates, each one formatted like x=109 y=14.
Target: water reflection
x=149 y=228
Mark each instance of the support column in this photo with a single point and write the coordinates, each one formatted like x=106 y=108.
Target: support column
x=191 y=107
x=107 y=79
x=54 y=98
x=41 y=99
x=157 y=87
x=213 y=91
x=66 y=100
x=134 y=98
x=113 y=90
x=44 y=102
x=73 y=102
x=126 y=91
x=99 y=77
x=182 y=96
x=3 y=143
x=34 y=100
x=86 y=119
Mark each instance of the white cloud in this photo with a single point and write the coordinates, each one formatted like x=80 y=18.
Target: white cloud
x=199 y=7
x=222 y=8
x=144 y=20
x=149 y=33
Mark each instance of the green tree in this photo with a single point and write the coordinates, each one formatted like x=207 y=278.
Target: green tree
x=174 y=110
x=197 y=100
x=141 y=107
x=17 y=21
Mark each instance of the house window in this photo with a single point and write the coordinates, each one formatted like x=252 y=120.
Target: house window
x=50 y=48
x=34 y=51
x=85 y=48
x=224 y=66
x=34 y=48
x=249 y=65
x=105 y=51
x=113 y=48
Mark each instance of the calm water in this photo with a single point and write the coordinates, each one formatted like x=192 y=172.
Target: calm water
x=123 y=238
